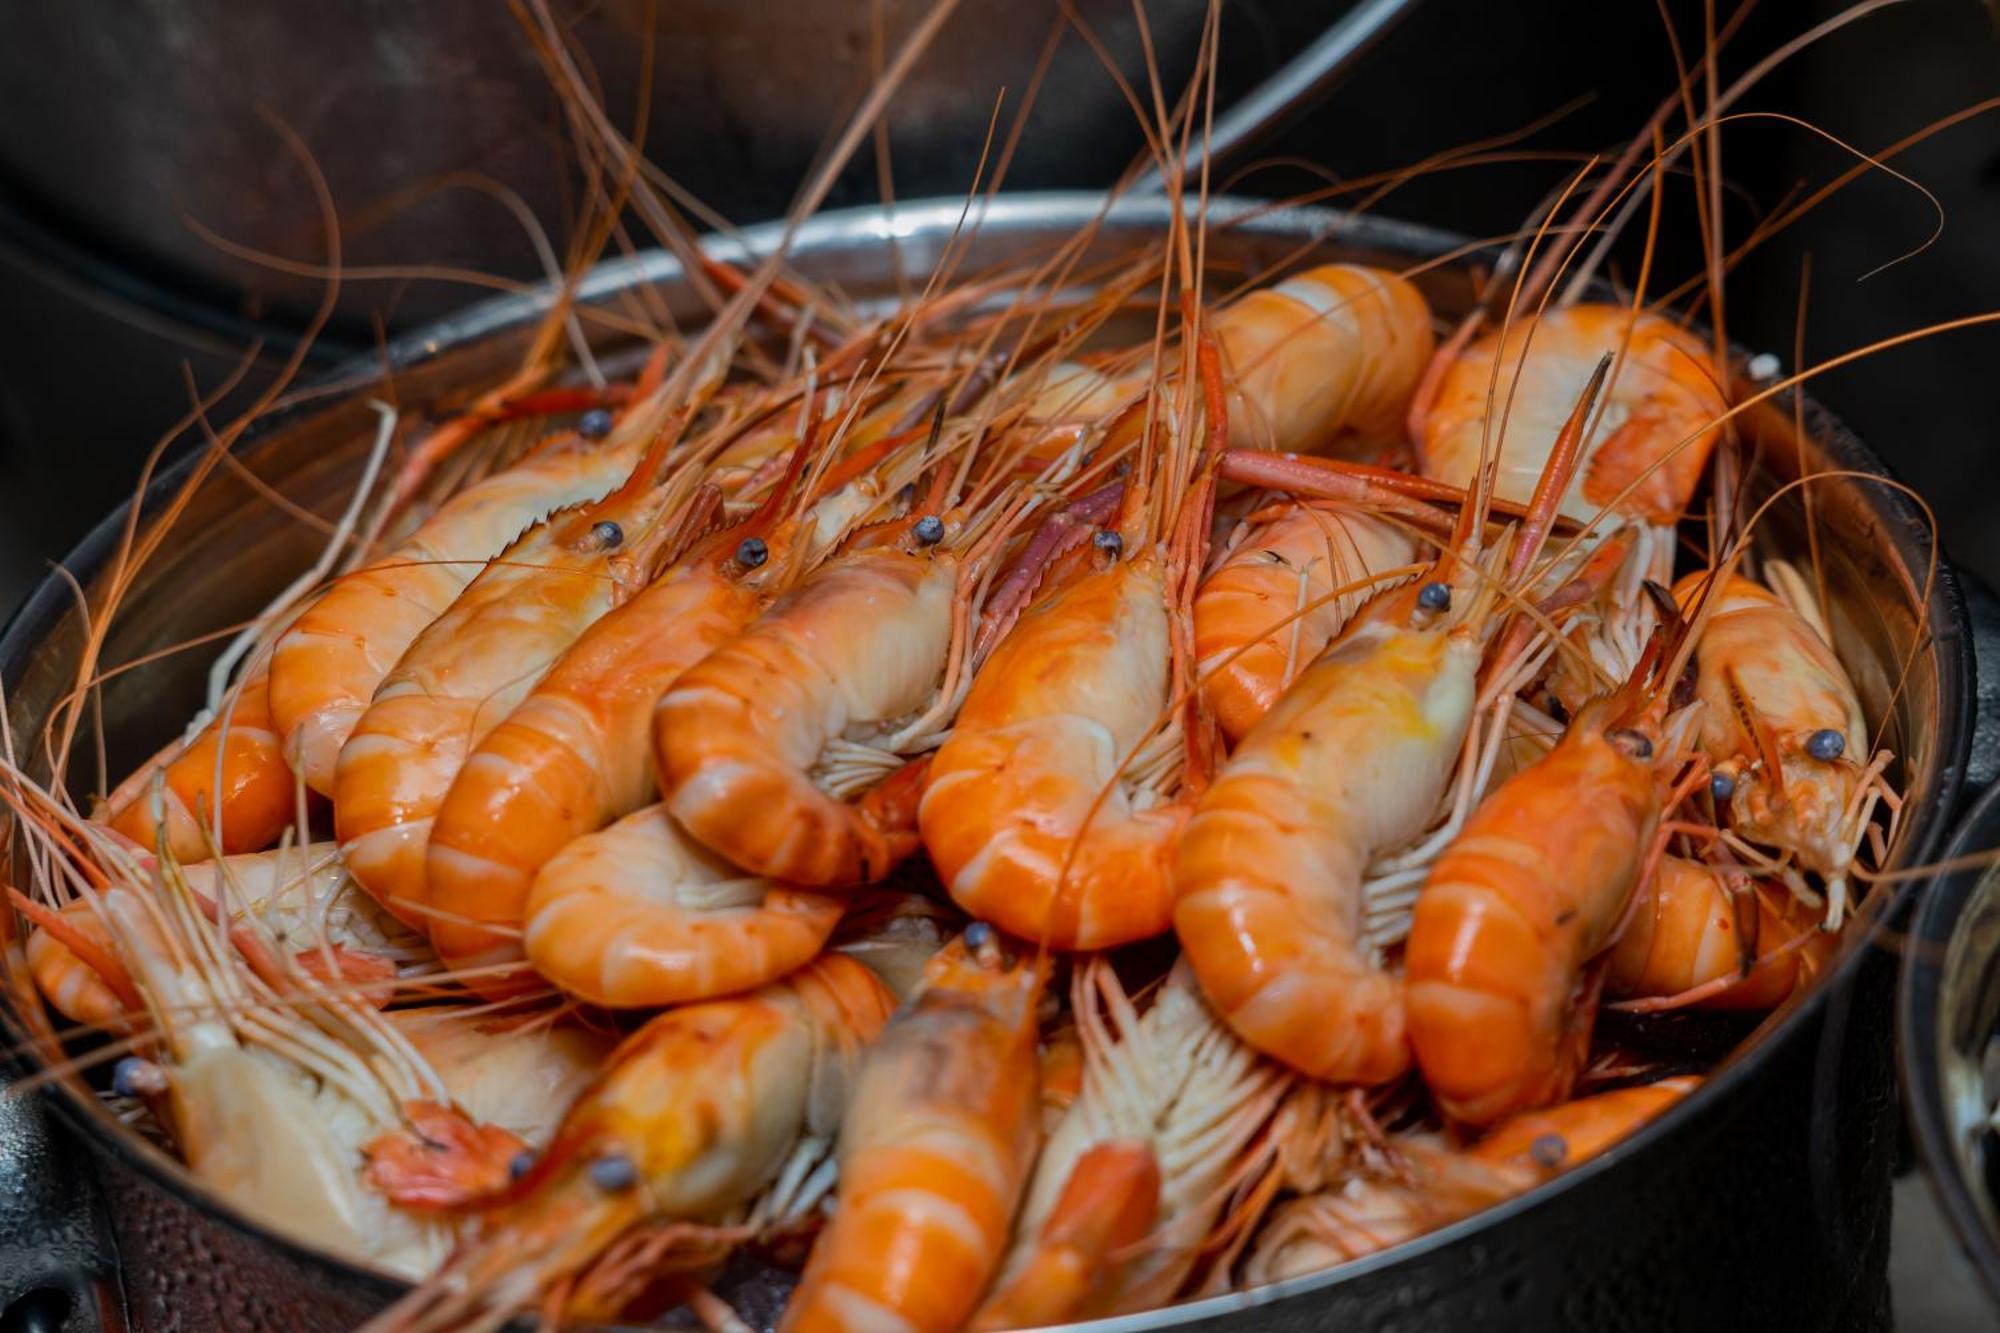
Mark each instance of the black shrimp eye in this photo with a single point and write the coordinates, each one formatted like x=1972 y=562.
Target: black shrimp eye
x=1434 y=597
x=1826 y=744
x=978 y=935
x=1634 y=743
x=609 y=535
x=752 y=552
x=930 y=530
x=137 y=1077
x=520 y=1164
x=614 y=1174
x=1108 y=541
x=1548 y=1151
x=594 y=424
x=1722 y=786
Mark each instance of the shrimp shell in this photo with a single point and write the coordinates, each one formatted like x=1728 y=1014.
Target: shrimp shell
x=1689 y=935
x=1771 y=683
x=1351 y=762
x=1025 y=815
x=326 y=667
x=1249 y=640
x=1659 y=412
x=935 y=1148
x=1334 y=351
x=692 y=1115
x=572 y=757
x=640 y=915
x=857 y=646
x=462 y=677
x=255 y=799
x=1529 y=891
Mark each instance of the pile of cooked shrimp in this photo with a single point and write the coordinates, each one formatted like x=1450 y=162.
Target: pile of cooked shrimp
x=1020 y=812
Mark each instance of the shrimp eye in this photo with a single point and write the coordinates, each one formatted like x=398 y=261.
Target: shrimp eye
x=520 y=1164
x=594 y=424
x=614 y=1174
x=1434 y=597
x=983 y=943
x=609 y=534
x=930 y=530
x=1548 y=1151
x=1634 y=743
x=752 y=552
x=136 y=1077
x=1826 y=744
x=1722 y=786
x=1108 y=542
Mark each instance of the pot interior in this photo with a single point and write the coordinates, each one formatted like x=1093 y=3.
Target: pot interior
x=1893 y=612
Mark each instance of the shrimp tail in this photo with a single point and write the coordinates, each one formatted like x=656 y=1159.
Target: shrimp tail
x=1108 y=1204
x=890 y=809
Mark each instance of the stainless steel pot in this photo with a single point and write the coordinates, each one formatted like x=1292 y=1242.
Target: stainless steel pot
x=1948 y=1030
x=1761 y=1201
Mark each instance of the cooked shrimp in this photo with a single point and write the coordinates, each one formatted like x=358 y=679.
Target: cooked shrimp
x=934 y=1151
x=859 y=647
x=1129 y=1187
x=572 y=756
x=471 y=666
x=1250 y=637
x=1438 y=1185
x=1649 y=446
x=1333 y=352
x=1352 y=762
x=695 y=1112
x=640 y=915
x=231 y=773
x=1325 y=359
x=1781 y=718
x=510 y=1082
x=269 y=1096
x=325 y=668
x=300 y=898
x=1027 y=815
x=1530 y=890
x=1694 y=940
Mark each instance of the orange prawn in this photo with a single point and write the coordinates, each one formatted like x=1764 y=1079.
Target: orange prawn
x=467 y=670
x=934 y=1150
x=325 y=668
x=1531 y=889
x=1646 y=450
x=1693 y=940
x=1781 y=716
x=573 y=755
x=1269 y=607
x=749 y=739
x=1437 y=1185
x=1352 y=762
x=640 y=915
x=691 y=1116
x=250 y=804
x=1128 y=1189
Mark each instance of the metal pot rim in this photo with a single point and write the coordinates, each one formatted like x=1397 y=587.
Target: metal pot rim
x=1906 y=526
x=1920 y=1039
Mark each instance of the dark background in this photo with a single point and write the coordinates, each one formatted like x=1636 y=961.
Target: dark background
x=119 y=138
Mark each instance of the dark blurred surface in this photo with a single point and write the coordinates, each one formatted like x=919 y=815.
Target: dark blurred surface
x=120 y=135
